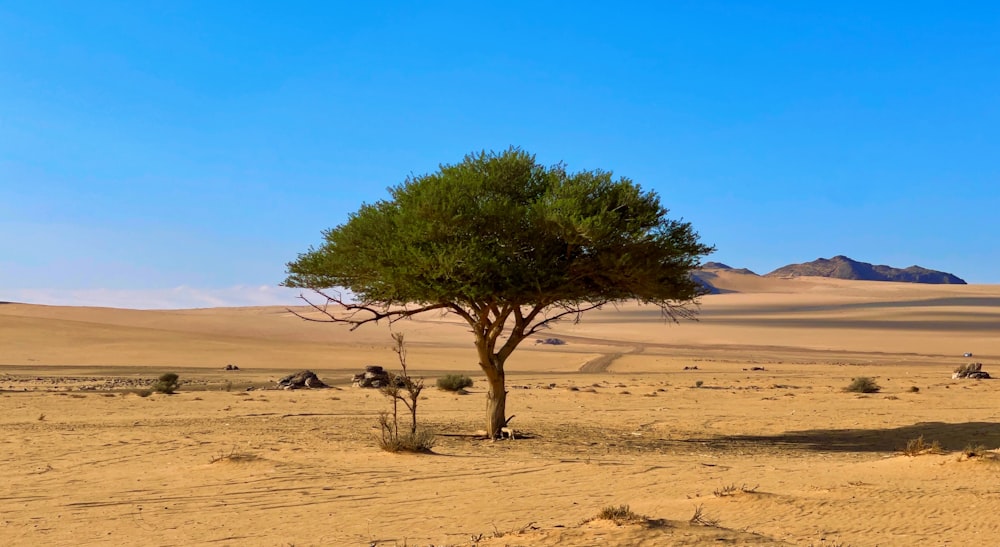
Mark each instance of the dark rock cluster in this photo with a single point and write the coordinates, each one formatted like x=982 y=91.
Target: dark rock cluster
x=971 y=370
x=302 y=379
x=374 y=376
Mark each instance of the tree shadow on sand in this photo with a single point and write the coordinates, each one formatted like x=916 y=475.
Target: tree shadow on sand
x=951 y=436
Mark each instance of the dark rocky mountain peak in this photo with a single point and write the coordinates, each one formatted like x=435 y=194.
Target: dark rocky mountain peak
x=842 y=267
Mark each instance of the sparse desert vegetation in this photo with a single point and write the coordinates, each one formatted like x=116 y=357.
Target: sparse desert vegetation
x=167 y=383
x=402 y=389
x=454 y=382
x=863 y=384
x=708 y=463
x=620 y=514
x=732 y=489
x=917 y=447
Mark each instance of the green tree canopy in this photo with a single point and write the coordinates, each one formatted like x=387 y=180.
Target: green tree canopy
x=508 y=245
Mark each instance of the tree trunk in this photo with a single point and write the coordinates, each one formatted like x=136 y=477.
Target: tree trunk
x=496 y=405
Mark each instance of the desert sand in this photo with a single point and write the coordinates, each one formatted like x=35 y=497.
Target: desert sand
x=768 y=447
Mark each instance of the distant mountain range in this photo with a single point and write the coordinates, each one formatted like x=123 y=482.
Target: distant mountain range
x=842 y=267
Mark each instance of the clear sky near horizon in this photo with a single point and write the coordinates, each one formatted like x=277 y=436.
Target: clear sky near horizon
x=178 y=154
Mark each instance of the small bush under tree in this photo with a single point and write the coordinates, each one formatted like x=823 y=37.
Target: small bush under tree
x=454 y=382
x=406 y=389
x=863 y=384
x=167 y=383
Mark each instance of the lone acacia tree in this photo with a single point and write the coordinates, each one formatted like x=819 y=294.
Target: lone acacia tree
x=508 y=245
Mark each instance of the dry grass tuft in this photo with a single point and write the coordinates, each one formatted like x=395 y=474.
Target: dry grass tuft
x=701 y=519
x=620 y=515
x=732 y=490
x=863 y=384
x=498 y=533
x=918 y=447
x=979 y=452
x=233 y=456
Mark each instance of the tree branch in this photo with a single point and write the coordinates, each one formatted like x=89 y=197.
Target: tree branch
x=349 y=312
x=676 y=312
x=461 y=312
x=568 y=309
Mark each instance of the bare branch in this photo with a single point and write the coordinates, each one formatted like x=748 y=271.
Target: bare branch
x=675 y=312
x=357 y=314
x=568 y=309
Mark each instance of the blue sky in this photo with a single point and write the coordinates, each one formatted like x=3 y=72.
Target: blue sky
x=175 y=154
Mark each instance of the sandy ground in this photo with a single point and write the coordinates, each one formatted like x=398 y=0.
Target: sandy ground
x=769 y=448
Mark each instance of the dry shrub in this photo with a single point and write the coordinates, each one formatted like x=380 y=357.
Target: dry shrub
x=395 y=440
x=979 y=452
x=863 y=384
x=732 y=490
x=918 y=447
x=405 y=389
x=701 y=519
x=620 y=515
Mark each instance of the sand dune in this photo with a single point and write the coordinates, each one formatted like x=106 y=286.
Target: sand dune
x=778 y=456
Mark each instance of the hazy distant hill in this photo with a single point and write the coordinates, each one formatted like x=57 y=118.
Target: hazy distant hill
x=842 y=267
x=721 y=266
x=705 y=280
x=708 y=273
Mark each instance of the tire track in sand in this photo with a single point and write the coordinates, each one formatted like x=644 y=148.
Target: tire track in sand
x=603 y=362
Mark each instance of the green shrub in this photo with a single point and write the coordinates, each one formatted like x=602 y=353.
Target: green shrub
x=454 y=382
x=863 y=384
x=167 y=383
